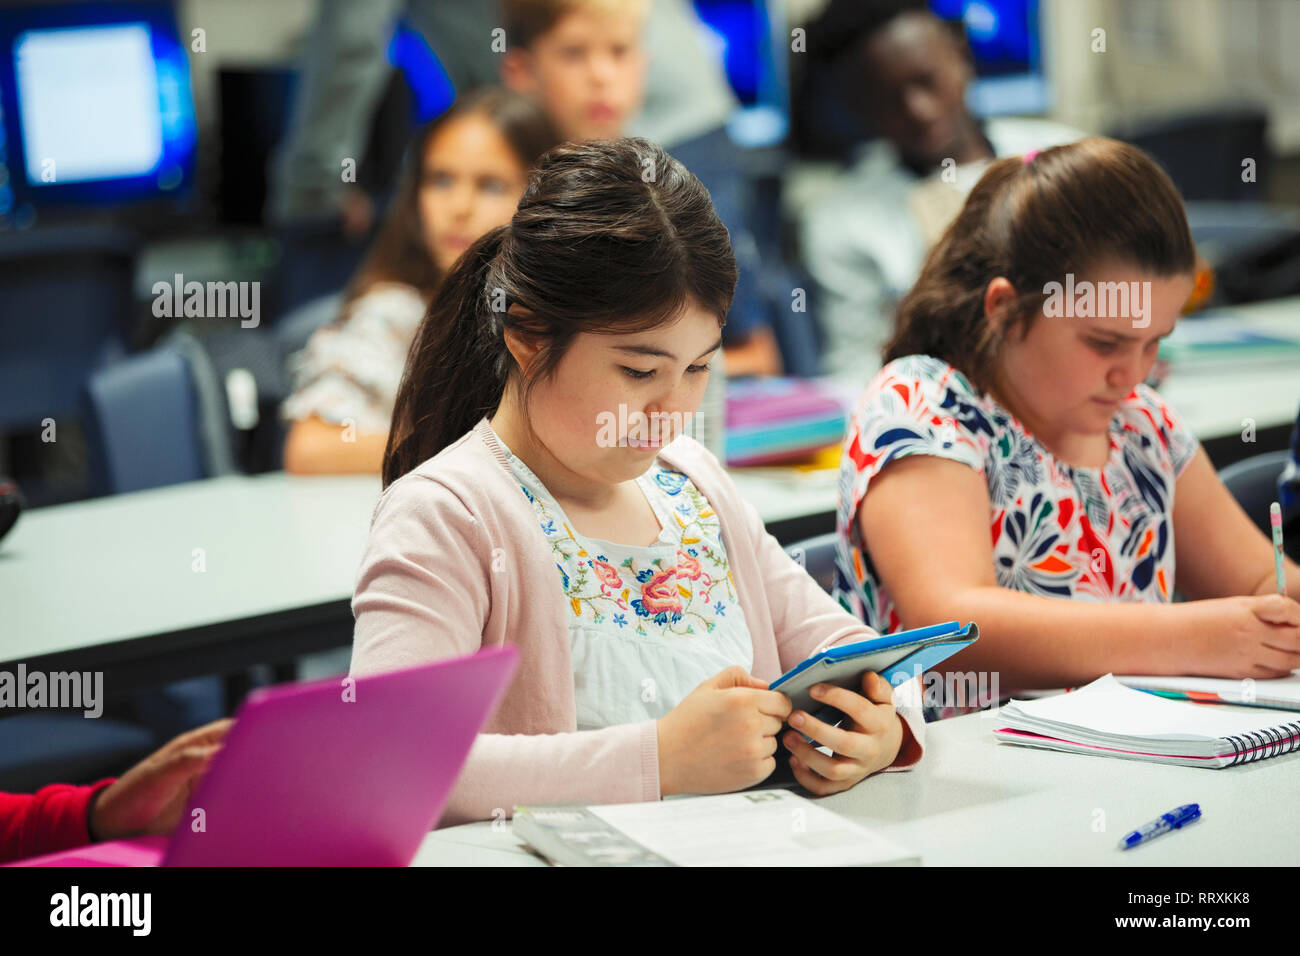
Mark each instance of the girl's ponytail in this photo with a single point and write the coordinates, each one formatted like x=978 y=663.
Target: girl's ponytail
x=456 y=369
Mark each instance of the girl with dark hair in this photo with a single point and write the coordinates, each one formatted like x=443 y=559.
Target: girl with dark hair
x=1009 y=455
x=538 y=491
x=463 y=176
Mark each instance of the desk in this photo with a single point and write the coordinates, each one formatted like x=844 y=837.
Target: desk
x=973 y=801
x=114 y=584
x=179 y=581
x=1214 y=403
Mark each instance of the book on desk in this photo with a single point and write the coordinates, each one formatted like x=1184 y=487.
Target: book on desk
x=749 y=828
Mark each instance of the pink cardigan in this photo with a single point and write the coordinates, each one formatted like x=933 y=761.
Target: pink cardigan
x=456 y=562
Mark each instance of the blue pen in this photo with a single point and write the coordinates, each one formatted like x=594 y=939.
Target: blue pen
x=1173 y=820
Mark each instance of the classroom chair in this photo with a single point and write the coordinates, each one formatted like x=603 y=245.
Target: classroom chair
x=65 y=296
x=176 y=391
x=141 y=418
x=817 y=555
x=42 y=748
x=1253 y=482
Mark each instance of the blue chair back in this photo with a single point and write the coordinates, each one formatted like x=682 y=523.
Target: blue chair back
x=141 y=419
x=65 y=296
x=1253 y=482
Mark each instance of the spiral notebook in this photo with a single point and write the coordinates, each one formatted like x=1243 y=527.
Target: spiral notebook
x=1108 y=719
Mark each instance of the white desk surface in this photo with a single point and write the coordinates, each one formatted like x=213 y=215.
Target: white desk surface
x=111 y=569
x=973 y=801
x=1213 y=402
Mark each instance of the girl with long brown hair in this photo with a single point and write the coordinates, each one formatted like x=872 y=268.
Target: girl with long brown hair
x=539 y=492
x=464 y=174
x=1009 y=466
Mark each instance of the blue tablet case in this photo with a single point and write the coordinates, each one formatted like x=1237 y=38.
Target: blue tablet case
x=895 y=657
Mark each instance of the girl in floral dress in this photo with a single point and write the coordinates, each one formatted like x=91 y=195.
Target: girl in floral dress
x=1009 y=466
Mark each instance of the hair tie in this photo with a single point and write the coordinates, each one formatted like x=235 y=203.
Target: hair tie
x=1029 y=156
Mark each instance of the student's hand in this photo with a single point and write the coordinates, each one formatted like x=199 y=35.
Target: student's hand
x=150 y=797
x=869 y=742
x=1253 y=636
x=722 y=737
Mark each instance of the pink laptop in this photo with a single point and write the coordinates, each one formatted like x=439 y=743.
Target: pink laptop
x=309 y=778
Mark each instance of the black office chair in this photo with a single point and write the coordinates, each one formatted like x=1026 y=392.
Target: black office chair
x=817 y=555
x=1202 y=150
x=1253 y=482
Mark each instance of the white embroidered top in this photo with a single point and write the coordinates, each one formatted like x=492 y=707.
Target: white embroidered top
x=648 y=623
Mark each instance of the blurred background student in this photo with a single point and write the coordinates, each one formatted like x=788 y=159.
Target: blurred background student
x=906 y=73
x=587 y=63
x=464 y=175
x=600 y=69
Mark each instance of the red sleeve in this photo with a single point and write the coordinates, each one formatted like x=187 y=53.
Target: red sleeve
x=47 y=821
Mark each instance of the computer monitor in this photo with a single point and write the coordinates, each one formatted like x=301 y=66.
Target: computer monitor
x=750 y=38
x=97 y=107
x=1004 y=41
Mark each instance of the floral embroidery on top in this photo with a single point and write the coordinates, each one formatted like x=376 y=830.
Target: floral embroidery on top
x=680 y=585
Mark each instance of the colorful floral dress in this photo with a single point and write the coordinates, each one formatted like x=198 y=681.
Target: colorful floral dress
x=647 y=624
x=1096 y=534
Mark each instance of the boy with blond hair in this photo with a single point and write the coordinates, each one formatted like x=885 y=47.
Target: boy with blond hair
x=585 y=63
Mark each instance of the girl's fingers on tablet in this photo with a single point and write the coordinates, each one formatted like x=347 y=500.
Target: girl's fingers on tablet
x=770 y=726
x=819 y=773
x=876 y=689
x=860 y=710
x=838 y=739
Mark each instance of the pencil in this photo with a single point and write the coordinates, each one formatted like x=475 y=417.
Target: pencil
x=1275 y=519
